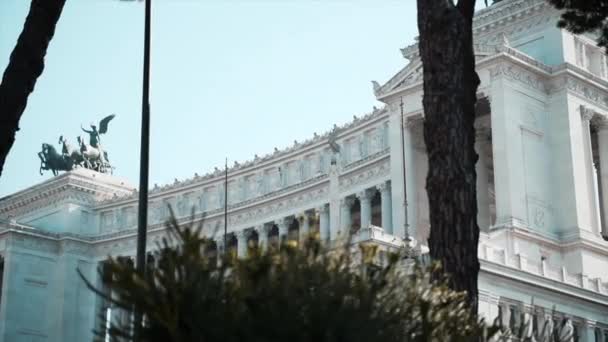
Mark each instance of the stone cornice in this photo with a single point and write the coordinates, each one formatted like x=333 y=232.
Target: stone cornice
x=493 y=19
x=563 y=245
x=501 y=53
x=507 y=13
x=364 y=173
x=241 y=169
x=81 y=186
x=522 y=277
x=581 y=83
x=44 y=242
x=527 y=71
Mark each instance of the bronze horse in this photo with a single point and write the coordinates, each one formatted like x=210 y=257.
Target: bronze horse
x=51 y=160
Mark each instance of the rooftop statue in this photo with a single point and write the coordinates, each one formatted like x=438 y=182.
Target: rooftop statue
x=91 y=156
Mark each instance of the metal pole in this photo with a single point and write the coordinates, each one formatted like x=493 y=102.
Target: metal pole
x=143 y=166
x=405 y=221
x=226 y=207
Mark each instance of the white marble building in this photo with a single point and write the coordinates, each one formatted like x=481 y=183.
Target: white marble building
x=542 y=187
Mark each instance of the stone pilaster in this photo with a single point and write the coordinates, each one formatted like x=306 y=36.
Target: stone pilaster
x=507 y=145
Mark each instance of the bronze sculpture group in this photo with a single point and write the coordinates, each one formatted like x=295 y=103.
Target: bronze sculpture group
x=91 y=156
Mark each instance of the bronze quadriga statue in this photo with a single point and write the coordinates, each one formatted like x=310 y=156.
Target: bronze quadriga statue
x=91 y=156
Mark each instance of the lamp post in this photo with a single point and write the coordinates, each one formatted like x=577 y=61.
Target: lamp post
x=405 y=220
x=406 y=226
x=142 y=221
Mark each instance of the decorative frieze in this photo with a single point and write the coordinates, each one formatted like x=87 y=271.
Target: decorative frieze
x=365 y=175
x=585 y=90
x=518 y=74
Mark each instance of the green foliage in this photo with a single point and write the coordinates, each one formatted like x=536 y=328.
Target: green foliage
x=295 y=293
x=581 y=16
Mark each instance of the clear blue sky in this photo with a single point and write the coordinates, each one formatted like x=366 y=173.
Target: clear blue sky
x=229 y=78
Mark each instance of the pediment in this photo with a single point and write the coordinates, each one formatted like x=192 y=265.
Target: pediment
x=412 y=73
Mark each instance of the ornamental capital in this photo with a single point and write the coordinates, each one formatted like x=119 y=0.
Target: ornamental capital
x=262 y=229
x=383 y=187
x=586 y=113
x=347 y=202
x=364 y=195
x=241 y=234
x=285 y=221
x=322 y=209
x=303 y=218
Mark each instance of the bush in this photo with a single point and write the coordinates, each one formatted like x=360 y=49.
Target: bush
x=295 y=293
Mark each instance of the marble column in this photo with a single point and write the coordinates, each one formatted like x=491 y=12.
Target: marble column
x=366 y=208
x=219 y=243
x=602 y=139
x=324 y=229
x=283 y=225
x=481 y=168
x=386 y=203
x=345 y=217
x=592 y=181
x=587 y=332
x=505 y=312
x=262 y=231
x=241 y=238
x=304 y=226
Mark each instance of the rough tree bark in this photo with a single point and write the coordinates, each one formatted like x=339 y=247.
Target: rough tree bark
x=25 y=66
x=450 y=87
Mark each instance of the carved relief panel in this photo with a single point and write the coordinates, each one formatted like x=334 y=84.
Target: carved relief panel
x=581 y=53
x=210 y=198
x=107 y=220
x=308 y=165
x=130 y=216
x=249 y=187
x=273 y=177
x=186 y=203
x=384 y=132
x=233 y=192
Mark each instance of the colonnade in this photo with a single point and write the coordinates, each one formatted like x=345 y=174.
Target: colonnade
x=297 y=226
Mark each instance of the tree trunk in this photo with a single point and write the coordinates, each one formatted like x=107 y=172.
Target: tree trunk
x=450 y=87
x=25 y=66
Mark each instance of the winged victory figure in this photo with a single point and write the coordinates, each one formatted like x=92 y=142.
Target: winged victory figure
x=93 y=153
x=94 y=134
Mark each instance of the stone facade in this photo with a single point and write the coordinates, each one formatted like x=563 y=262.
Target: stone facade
x=542 y=190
